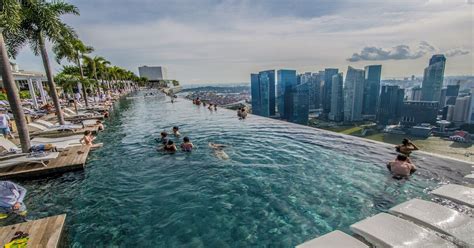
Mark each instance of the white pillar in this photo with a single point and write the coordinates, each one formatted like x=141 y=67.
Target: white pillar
x=31 y=87
x=39 y=84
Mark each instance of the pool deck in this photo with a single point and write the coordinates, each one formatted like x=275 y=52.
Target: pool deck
x=46 y=232
x=71 y=159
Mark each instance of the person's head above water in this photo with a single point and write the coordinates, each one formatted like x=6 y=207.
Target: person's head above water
x=175 y=128
x=164 y=134
x=87 y=132
x=170 y=142
x=405 y=142
x=401 y=157
x=186 y=139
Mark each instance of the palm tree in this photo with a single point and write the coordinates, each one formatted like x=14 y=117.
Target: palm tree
x=41 y=21
x=71 y=48
x=95 y=66
x=10 y=20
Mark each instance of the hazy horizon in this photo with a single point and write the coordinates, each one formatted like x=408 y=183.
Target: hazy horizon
x=226 y=40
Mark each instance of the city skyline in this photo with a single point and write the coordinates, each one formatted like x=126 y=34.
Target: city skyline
x=223 y=41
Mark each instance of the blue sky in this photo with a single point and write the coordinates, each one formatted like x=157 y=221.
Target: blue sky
x=205 y=41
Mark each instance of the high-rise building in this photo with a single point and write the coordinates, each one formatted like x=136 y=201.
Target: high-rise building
x=415 y=94
x=462 y=109
x=153 y=73
x=327 y=88
x=255 y=93
x=442 y=98
x=470 y=115
x=418 y=112
x=263 y=93
x=452 y=92
x=433 y=79
x=371 y=89
x=337 y=99
x=390 y=105
x=299 y=110
x=286 y=81
x=353 y=94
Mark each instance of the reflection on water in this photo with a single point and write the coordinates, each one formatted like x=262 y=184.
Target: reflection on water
x=282 y=185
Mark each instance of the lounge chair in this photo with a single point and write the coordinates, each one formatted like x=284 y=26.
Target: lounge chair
x=50 y=125
x=456 y=193
x=385 y=230
x=42 y=128
x=438 y=218
x=335 y=239
x=8 y=145
x=60 y=143
x=28 y=159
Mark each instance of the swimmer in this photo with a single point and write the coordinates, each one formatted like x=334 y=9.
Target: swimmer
x=106 y=114
x=187 y=146
x=218 y=151
x=401 y=167
x=210 y=106
x=170 y=147
x=215 y=107
x=243 y=113
x=239 y=113
x=100 y=126
x=164 y=138
x=406 y=148
x=198 y=101
x=176 y=131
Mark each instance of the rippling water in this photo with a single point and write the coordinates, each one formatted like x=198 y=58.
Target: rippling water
x=282 y=185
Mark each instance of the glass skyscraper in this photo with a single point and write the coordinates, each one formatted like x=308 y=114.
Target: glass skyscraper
x=433 y=79
x=300 y=104
x=286 y=81
x=371 y=89
x=337 y=100
x=263 y=93
x=390 y=105
x=327 y=88
x=353 y=94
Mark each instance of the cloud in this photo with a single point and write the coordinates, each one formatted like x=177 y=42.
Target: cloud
x=456 y=52
x=399 y=52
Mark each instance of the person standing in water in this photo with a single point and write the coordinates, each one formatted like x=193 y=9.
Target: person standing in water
x=406 y=148
x=187 y=146
x=401 y=167
x=176 y=131
x=218 y=151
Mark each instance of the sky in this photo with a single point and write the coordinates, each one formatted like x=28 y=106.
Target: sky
x=223 y=41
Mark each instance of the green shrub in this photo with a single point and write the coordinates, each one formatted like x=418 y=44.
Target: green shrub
x=3 y=96
x=24 y=94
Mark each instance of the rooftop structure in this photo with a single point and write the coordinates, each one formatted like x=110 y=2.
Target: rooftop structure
x=153 y=73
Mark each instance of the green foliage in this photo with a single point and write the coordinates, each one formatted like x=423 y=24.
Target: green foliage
x=3 y=96
x=24 y=94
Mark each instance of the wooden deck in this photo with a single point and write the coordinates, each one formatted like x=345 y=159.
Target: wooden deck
x=45 y=232
x=73 y=158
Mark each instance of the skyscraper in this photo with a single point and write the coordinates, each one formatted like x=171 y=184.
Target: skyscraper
x=263 y=93
x=300 y=104
x=353 y=94
x=327 y=88
x=286 y=80
x=433 y=79
x=452 y=92
x=371 y=89
x=255 y=93
x=337 y=99
x=390 y=105
x=462 y=109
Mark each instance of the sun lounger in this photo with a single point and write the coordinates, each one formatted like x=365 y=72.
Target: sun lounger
x=8 y=145
x=385 y=230
x=27 y=159
x=456 y=193
x=60 y=143
x=335 y=239
x=438 y=218
x=50 y=125
x=42 y=128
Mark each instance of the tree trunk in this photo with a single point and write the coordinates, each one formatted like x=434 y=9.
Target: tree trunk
x=14 y=98
x=82 y=78
x=51 y=84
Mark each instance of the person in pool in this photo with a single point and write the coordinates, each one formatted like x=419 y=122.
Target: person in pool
x=176 y=131
x=170 y=147
x=100 y=126
x=198 y=101
x=401 y=167
x=187 y=146
x=239 y=113
x=163 y=139
x=406 y=148
x=218 y=150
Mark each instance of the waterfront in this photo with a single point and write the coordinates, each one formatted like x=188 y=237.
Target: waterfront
x=284 y=183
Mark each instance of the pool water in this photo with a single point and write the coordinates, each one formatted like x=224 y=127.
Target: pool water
x=283 y=184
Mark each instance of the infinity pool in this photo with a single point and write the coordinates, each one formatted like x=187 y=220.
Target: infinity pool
x=282 y=185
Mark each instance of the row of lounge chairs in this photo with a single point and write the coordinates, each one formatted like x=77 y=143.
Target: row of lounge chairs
x=415 y=223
